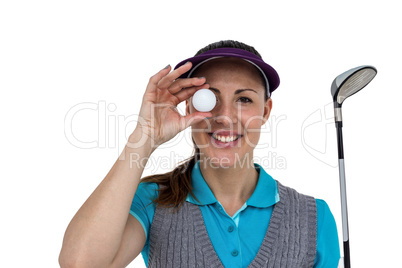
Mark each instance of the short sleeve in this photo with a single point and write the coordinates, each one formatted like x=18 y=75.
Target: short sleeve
x=328 y=253
x=142 y=207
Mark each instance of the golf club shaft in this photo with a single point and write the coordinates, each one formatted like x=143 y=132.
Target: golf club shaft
x=344 y=206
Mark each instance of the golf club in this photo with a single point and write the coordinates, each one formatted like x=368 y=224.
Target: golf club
x=344 y=86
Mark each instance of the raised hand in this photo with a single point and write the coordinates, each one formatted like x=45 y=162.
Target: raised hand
x=159 y=118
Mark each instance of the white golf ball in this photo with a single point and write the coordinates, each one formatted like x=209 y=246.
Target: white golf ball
x=204 y=100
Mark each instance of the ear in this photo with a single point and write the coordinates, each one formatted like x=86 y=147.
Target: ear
x=267 y=110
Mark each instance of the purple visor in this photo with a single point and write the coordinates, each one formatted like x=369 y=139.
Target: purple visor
x=270 y=75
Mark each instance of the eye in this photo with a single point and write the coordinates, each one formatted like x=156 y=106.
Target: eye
x=245 y=99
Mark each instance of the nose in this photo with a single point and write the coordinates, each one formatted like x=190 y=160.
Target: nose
x=225 y=114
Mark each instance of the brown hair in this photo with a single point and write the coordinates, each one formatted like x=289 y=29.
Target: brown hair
x=174 y=186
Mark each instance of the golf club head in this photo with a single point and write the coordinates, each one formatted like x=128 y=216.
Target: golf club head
x=350 y=82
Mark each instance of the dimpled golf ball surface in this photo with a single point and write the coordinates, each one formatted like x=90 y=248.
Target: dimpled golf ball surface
x=204 y=100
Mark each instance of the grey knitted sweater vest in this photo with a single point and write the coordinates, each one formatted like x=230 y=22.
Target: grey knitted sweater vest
x=178 y=238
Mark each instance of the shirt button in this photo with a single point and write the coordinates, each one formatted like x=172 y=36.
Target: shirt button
x=235 y=253
x=230 y=228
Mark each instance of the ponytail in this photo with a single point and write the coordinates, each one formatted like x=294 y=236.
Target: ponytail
x=174 y=186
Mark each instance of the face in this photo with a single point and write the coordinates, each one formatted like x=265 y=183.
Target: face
x=239 y=113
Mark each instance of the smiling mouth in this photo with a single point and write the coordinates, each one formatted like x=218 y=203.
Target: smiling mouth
x=225 y=139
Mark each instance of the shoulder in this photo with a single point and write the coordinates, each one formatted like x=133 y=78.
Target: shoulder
x=322 y=206
x=296 y=203
x=292 y=193
x=147 y=191
x=323 y=209
x=148 y=186
x=324 y=214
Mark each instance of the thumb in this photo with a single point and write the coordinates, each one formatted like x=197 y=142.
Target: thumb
x=194 y=118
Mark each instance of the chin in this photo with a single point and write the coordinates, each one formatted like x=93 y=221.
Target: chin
x=225 y=159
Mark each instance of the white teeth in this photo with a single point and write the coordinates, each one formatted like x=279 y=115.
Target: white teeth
x=225 y=138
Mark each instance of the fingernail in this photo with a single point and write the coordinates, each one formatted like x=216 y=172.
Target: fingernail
x=187 y=62
x=202 y=77
x=166 y=67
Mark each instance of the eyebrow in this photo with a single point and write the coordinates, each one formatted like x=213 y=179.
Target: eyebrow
x=236 y=92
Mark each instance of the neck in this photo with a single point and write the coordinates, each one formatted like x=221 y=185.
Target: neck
x=230 y=185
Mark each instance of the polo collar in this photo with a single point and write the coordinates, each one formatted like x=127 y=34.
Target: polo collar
x=201 y=190
x=265 y=194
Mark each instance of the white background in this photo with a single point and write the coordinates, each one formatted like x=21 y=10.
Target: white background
x=55 y=55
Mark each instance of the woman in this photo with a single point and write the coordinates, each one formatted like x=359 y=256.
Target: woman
x=219 y=208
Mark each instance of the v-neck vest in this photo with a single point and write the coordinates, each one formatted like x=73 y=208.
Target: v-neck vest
x=179 y=238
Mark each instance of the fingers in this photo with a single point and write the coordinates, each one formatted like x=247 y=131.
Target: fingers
x=167 y=80
x=186 y=93
x=154 y=80
x=180 y=84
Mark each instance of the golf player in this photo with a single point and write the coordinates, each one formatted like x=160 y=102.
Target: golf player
x=216 y=209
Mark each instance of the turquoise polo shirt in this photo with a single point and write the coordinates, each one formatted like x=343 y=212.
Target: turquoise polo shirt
x=237 y=239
